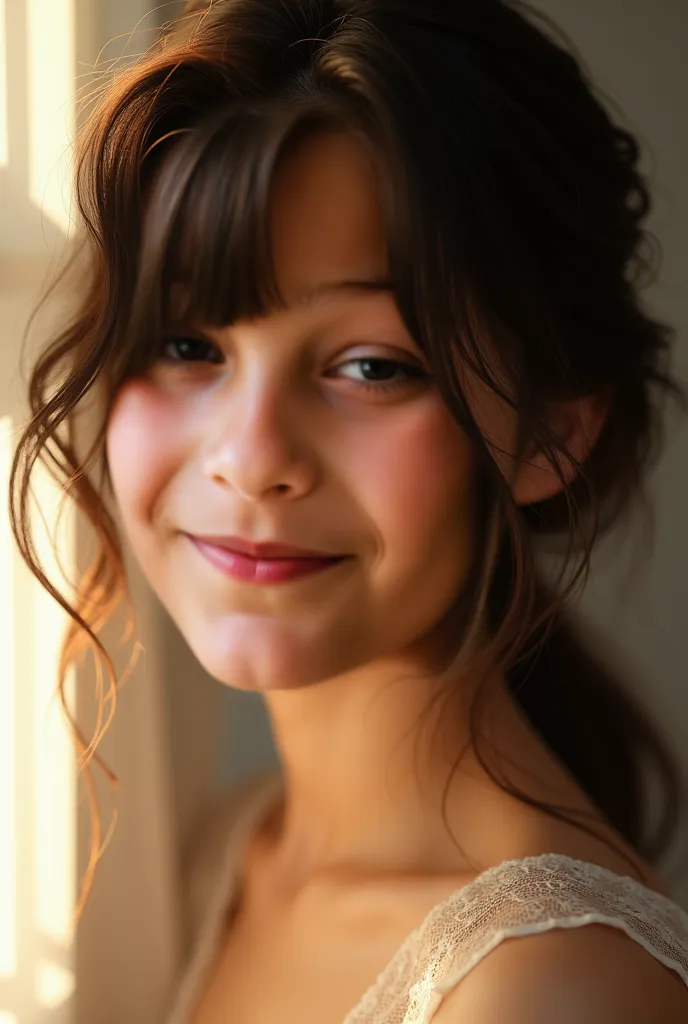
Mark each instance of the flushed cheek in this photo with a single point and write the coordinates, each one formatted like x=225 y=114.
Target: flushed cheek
x=144 y=443
x=414 y=477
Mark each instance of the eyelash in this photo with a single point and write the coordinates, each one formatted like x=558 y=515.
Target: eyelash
x=411 y=372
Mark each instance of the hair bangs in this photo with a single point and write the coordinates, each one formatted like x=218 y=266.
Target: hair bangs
x=206 y=248
x=206 y=253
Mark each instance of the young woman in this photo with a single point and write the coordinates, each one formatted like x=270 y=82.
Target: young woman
x=362 y=305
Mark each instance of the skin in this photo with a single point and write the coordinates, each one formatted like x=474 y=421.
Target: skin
x=280 y=441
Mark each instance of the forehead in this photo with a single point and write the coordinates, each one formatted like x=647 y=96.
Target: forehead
x=326 y=219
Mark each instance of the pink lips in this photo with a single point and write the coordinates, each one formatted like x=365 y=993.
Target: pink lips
x=262 y=569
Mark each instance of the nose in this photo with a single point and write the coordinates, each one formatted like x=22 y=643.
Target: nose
x=256 y=448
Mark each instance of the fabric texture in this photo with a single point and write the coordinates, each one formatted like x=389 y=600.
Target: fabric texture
x=515 y=898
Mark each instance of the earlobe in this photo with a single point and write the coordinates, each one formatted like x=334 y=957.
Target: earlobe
x=577 y=425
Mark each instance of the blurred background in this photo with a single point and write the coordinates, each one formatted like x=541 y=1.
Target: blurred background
x=179 y=739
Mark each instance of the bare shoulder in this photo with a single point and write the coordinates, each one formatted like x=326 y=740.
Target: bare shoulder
x=594 y=974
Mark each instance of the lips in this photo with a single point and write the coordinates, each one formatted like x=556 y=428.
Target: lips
x=274 y=570
x=266 y=551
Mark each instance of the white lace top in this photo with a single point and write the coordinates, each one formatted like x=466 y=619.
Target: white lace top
x=516 y=898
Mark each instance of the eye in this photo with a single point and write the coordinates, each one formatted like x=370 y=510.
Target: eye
x=187 y=349
x=380 y=374
x=374 y=373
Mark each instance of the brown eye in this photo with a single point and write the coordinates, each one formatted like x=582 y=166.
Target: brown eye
x=376 y=373
x=188 y=349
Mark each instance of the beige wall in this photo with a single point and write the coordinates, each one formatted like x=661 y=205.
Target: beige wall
x=123 y=959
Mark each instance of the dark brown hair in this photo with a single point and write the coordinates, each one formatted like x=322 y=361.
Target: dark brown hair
x=513 y=206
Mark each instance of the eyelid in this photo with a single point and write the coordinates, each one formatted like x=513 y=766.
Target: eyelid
x=380 y=350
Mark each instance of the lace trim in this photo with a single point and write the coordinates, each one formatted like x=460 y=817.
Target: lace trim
x=516 y=898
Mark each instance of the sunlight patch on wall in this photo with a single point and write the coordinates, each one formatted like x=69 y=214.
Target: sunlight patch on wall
x=8 y=781
x=4 y=154
x=51 y=69
x=55 y=760
x=38 y=837
x=54 y=985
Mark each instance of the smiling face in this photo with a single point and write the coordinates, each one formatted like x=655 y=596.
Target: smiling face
x=317 y=426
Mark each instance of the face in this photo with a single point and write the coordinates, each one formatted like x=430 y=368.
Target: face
x=316 y=426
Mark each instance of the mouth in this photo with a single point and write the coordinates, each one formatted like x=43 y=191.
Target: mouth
x=264 y=551
x=264 y=570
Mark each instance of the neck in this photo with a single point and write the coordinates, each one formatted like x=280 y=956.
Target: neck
x=366 y=760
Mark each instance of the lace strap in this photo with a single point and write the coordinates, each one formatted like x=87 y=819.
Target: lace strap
x=553 y=891
x=517 y=898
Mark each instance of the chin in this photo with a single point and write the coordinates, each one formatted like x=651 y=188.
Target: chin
x=249 y=656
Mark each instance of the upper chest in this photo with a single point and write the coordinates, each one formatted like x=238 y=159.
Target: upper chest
x=309 y=965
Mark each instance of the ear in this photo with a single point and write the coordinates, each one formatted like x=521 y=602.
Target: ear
x=578 y=425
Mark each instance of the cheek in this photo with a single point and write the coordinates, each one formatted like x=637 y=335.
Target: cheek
x=416 y=478
x=143 y=444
